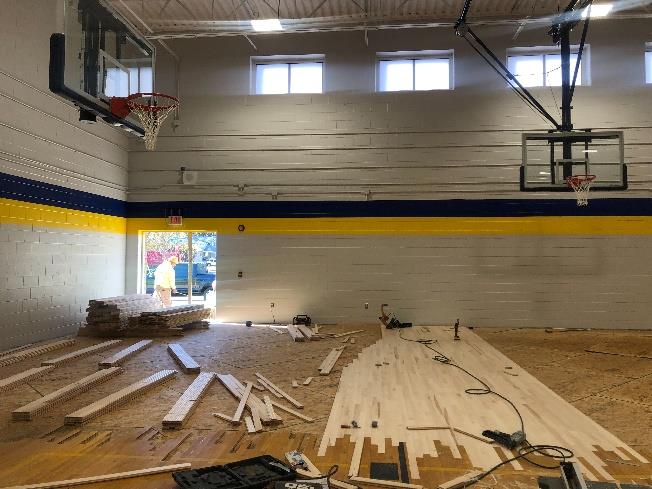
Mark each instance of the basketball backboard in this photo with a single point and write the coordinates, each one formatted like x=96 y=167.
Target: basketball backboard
x=98 y=56
x=599 y=153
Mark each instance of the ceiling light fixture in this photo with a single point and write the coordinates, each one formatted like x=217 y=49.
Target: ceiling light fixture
x=598 y=10
x=266 y=25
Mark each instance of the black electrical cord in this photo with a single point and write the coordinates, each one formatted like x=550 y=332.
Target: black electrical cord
x=331 y=472
x=559 y=453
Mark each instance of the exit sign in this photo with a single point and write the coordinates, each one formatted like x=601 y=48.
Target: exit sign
x=175 y=220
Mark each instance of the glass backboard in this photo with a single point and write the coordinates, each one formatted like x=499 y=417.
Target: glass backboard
x=545 y=167
x=100 y=55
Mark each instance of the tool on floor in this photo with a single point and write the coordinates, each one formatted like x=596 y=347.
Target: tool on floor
x=391 y=323
x=251 y=473
x=511 y=442
x=302 y=319
x=457 y=328
x=295 y=460
x=305 y=469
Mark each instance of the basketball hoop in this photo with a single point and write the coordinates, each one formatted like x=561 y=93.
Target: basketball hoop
x=152 y=110
x=581 y=184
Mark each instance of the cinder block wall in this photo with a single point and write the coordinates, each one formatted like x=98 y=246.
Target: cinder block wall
x=54 y=255
x=440 y=149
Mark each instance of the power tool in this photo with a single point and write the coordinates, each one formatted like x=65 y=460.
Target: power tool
x=296 y=461
x=511 y=442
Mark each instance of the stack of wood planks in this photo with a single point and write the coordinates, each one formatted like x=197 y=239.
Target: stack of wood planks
x=185 y=361
x=118 y=398
x=125 y=354
x=141 y=315
x=25 y=353
x=329 y=362
x=260 y=414
x=172 y=317
x=26 y=376
x=187 y=403
x=42 y=404
x=113 y=313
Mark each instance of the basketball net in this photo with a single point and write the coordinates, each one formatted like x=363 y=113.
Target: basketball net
x=581 y=184
x=152 y=109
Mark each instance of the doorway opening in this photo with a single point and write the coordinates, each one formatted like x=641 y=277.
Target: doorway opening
x=195 y=271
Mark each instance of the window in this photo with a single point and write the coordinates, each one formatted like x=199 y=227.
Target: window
x=648 y=62
x=120 y=83
x=277 y=75
x=420 y=70
x=540 y=67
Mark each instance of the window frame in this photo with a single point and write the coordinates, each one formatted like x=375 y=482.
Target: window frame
x=288 y=60
x=447 y=54
x=648 y=63
x=585 y=62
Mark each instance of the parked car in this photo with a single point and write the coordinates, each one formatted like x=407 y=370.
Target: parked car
x=202 y=279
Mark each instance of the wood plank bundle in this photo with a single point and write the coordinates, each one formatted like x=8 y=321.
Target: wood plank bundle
x=171 y=317
x=39 y=406
x=112 y=314
x=81 y=353
x=33 y=352
x=329 y=362
x=124 y=355
x=26 y=376
x=118 y=398
x=291 y=399
x=294 y=333
x=104 y=478
x=185 y=361
x=237 y=390
x=141 y=315
x=188 y=401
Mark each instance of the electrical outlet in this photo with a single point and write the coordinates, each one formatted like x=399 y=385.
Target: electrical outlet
x=366 y=305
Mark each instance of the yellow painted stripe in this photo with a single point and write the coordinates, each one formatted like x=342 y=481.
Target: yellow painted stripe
x=516 y=226
x=17 y=212
x=25 y=213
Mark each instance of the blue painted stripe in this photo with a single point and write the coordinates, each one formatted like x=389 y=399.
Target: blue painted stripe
x=393 y=208
x=27 y=190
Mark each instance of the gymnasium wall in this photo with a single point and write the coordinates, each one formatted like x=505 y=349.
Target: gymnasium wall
x=352 y=197
x=62 y=189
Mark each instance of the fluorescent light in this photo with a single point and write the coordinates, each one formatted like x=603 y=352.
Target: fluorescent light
x=266 y=25
x=598 y=10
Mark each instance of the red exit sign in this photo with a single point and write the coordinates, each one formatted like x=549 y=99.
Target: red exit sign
x=175 y=220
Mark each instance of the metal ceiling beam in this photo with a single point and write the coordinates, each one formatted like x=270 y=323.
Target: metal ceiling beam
x=184 y=7
x=164 y=7
x=148 y=29
x=183 y=29
x=317 y=8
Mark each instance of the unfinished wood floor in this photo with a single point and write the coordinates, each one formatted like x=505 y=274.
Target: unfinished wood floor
x=398 y=384
x=131 y=437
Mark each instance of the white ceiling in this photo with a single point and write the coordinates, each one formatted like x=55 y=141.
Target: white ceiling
x=192 y=18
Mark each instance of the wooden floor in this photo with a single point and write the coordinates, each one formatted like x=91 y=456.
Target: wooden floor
x=616 y=393
x=396 y=383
